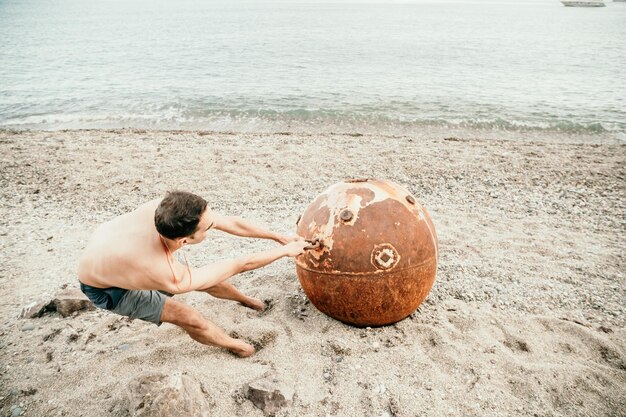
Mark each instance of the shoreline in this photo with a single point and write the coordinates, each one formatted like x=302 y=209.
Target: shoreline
x=527 y=315
x=428 y=133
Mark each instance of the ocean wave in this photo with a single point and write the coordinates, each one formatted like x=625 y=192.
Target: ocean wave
x=298 y=119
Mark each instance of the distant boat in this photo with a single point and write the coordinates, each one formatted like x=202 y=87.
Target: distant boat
x=584 y=3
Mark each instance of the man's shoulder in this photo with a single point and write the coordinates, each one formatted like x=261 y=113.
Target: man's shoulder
x=144 y=214
x=149 y=205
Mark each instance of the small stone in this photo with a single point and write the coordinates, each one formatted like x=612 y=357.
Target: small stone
x=326 y=375
x=71 y=300
x=376 y=345
x=267 y=395
x=28 y=327
x=124 y=346
x=161 y=395
x=16 y=411
x=34 y=310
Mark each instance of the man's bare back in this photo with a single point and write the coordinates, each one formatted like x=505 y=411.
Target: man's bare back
x=128 y=266
x=126 y=252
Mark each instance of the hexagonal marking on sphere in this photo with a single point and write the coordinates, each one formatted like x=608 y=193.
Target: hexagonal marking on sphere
x=385 y=256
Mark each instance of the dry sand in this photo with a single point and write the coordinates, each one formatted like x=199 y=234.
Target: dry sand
x=526 y=318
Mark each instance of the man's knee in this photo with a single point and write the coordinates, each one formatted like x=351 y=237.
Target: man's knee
x=183 y=315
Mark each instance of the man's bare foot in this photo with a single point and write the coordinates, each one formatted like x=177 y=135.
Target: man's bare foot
x=242 y=349
x=254 y=303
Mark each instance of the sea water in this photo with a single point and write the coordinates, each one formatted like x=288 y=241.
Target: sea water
x=271 y=65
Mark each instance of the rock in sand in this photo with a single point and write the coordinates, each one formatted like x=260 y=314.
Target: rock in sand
x=161 y=395
x=70 y=300
x=34 y=310
x=268 y=394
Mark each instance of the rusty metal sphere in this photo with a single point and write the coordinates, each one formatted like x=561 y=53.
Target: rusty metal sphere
x=378 y=252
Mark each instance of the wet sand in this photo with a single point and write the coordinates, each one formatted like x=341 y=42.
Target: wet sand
x=526 y=318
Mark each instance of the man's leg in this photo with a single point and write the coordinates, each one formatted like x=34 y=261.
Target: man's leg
x=227 y=291
x=200 y=329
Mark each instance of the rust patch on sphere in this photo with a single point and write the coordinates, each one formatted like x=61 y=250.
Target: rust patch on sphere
x=376 y=265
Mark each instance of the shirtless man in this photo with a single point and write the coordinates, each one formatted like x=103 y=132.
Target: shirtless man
x=128 y=266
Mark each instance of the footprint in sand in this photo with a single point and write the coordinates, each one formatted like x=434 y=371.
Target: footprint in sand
x=258 y=341
x=269 y=306
x=516 y=345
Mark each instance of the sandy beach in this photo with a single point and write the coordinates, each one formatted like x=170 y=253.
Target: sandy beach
x=526 y=318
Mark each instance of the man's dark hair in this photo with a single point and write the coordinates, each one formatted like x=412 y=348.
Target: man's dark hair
x=178 y=214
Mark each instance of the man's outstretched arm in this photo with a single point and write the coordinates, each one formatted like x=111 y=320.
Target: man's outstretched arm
x=212 y=274
x=241 y=227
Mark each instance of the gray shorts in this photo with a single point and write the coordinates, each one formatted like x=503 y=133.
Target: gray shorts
x=144 y=305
